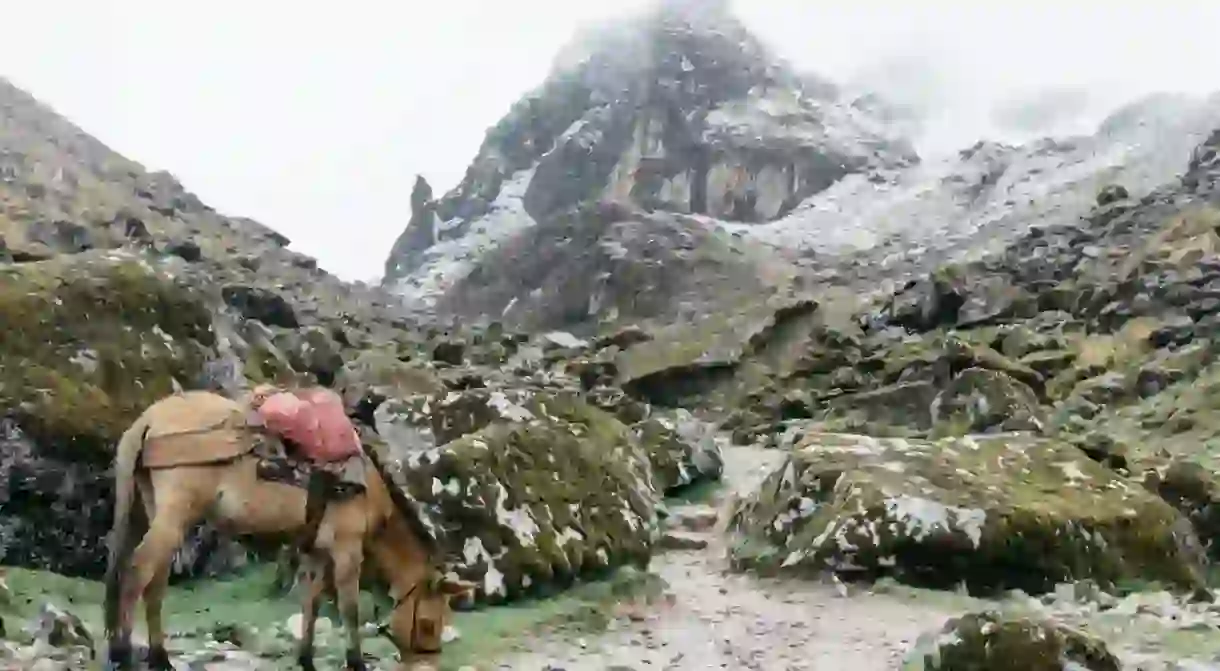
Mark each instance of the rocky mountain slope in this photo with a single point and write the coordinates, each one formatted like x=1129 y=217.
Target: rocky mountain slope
x=678 y=112
x=992 y=370
x=682 y=113
x=119 y=286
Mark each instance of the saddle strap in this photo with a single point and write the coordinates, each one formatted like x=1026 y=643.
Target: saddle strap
x=196 y=447
x=226 y=423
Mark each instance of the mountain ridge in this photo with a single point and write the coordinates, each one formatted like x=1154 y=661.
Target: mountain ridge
x=692 y=116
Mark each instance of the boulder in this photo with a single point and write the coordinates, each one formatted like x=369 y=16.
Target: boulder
x=680 y=451
x=980 y=400
x=262 y=304
x=907 y=404
x=377 y=375
x=527 y=506
x=999 y=642
x=991 y=512
x=1193 y=490
x=89 y=340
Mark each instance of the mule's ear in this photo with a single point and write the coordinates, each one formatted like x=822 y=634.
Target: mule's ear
x=456 y=586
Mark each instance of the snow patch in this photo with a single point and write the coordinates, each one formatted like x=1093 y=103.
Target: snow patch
x=448 y=261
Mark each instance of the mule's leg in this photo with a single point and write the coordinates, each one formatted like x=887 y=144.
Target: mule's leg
x=154 y=596
x=154 y=593
x=312 y=582
x=151 y=558
x=347 y=557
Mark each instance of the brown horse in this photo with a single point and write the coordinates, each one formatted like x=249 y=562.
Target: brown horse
x=190 y=457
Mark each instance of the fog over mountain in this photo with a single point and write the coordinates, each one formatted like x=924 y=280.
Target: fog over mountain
x=315 y=119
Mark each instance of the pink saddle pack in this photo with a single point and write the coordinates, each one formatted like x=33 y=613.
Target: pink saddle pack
x=313 y=419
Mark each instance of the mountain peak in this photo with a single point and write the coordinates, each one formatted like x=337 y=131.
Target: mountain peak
x=691 y=36
x=679 y=110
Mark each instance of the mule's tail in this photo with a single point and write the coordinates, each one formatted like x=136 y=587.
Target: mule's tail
x=123 y=538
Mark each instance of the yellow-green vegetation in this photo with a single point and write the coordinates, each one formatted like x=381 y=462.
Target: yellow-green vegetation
x=246 y=611
x=1182 y=241
x=1096 y=354
x=991 y=512
x=89 y=340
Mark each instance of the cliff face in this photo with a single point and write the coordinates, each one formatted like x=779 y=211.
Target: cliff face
x=684 y=118
x=678 y=111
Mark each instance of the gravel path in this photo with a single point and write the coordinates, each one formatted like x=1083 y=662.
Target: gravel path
x=713 y=619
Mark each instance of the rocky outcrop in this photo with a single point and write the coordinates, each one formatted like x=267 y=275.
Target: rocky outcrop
x=680 y=449
x=993 y=640
x=117 y=285
x=605 y=264
x=528 y=505
x=89 y=340
x=989 y=512
x=679 y=110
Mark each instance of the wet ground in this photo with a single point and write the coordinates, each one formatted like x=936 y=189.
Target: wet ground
x=711 y=619
x=687 y=612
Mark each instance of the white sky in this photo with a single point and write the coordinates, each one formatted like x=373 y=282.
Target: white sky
x=314 y=117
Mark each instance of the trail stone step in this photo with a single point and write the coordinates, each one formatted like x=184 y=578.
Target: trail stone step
x=682 y=540
x=693 y=517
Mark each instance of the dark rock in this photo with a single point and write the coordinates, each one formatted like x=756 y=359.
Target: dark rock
x=452 y=352
x=1112 y=193
x=62 y=236
x=188 y=250
x=261 y=304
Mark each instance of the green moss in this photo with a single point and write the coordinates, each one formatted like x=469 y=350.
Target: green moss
x=541 y=501
x=993 y=512
x=89 y=341
x=979 y=400
x=997 y=642
x=385 y=373
x=263 y=365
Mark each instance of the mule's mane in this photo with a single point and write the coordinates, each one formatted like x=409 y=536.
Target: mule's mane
x=404 y=506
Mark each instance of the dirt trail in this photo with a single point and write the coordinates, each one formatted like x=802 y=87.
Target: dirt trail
x=715 y=619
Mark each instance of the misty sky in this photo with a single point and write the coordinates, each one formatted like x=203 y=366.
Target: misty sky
x=314 y=118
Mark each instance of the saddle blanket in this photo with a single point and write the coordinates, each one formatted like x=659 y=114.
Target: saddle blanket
x=313 y=419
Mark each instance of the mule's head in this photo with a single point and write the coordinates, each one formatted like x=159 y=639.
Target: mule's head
x=419 y=618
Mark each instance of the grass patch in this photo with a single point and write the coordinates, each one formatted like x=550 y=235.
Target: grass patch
x=247 y=602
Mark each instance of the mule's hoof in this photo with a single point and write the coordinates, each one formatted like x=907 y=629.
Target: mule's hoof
x=158 y=659
x=355 y=661
x=306 y=663
x=118 y=658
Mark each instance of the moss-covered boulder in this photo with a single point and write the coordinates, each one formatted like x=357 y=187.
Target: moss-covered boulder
x=998 y=642
x=906 y=404
x=88 y=341
x=1195 y=492
x=680 y=452
x=380 y=374
x=679 y=449
x=457 y=413
x=524 y=507
x=990 y=512
x=405 y=423
x=980 y=400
